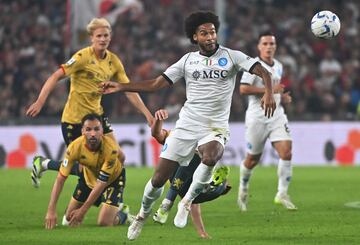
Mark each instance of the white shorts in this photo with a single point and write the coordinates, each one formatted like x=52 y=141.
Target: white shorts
x=181 y=144
x=257 y=132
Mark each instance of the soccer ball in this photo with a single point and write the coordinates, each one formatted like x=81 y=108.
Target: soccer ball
x=325 y=24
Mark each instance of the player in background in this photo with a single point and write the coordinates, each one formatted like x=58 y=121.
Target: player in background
x=100 y=182
x=182 y=179
x=87 y=69
x=260 y=128
x=203 y=123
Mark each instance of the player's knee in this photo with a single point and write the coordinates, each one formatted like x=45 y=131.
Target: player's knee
x=250 y=164
x=158 y=180
x=121 y=156
x=104 y=222
x=209 y=160
x=251 y=161
x=286 y=155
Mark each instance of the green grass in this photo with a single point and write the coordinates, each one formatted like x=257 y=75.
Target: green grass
x=320 y=194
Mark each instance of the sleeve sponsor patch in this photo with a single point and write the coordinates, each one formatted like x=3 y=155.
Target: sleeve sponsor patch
x=65 y=162
x=70 y=62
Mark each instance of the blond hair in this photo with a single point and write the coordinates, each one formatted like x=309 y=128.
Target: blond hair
x=97 y=23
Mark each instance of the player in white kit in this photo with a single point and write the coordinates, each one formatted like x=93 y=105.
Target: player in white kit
x=260 y=128
x=209 y=75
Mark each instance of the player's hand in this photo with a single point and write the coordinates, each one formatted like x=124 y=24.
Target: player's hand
x=268 y=104
x=34 y=109
x=150 y=120
x=286 y=98
x=204 y=235
x=76 y=217
x=161 y=114
x=109 y=87
x=50 y=220
x=278 y=88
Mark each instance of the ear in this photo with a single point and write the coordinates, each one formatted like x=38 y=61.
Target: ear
x=195 y=37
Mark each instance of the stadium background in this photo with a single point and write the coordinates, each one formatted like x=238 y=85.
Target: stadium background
x=323 y=76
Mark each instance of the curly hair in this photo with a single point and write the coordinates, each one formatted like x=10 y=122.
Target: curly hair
x=194 y=20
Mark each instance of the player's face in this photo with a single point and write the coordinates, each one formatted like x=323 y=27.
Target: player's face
x=100 y=38
x=206 y=37
x=267 y=47
x=93 y=131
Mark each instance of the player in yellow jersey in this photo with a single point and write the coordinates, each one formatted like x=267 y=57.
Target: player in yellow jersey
x=100 y=181
x=87 y=69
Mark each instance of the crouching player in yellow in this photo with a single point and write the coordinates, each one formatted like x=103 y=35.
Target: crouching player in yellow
x=101 y=180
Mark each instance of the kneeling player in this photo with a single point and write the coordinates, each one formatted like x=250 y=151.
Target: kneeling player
x=101 y=182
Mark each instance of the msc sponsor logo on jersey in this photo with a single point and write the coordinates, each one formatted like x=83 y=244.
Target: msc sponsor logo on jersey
x=210 y=74
x=222 y=62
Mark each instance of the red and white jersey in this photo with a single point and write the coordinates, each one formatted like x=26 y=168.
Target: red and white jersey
x=210 y=83
x=254 y=109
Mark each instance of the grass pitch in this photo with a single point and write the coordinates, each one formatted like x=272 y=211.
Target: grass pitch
x=319 y=192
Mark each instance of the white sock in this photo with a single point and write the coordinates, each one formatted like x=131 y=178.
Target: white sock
x=201 y=178
x=44 y=164
x=284 y=174
x=245 y=175
x=151 y=193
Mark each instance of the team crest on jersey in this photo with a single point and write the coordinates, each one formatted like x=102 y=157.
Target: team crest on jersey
x=90 y=75
x=70 y=62
x=196 y=75
x=222 y=61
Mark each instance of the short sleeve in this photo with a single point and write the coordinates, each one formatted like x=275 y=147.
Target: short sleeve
x=247 y=78
x=69 y=159
x=109 y=166
x=176 y=71
x=242 y=61
x=74 y=64
x=120 y=75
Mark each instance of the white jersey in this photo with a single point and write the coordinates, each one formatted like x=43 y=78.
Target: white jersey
x=210 y=83
x=254 y=110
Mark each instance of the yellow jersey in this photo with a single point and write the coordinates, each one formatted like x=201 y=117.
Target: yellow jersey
x=86 y=71
x=102 y=164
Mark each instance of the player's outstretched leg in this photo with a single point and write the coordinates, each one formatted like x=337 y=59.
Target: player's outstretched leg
x=37 y=170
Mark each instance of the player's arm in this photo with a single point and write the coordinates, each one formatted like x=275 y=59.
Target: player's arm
x=77 y=216
x=48 y=86
x=198 y=222
x=51 y=217
x=136 y=101
x=267 y=101
x=145 y=86
x=248 y=89
x=157 y=131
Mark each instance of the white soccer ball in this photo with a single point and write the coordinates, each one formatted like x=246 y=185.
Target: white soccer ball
x=325 y=24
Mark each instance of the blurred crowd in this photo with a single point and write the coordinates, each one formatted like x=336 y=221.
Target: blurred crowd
x=322 y=75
